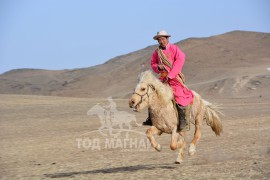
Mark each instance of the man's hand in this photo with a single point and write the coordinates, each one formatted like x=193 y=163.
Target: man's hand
x=165 y=81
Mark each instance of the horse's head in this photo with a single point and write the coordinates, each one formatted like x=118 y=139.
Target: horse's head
x=143 y=91
x=147 y=86
x=141 y=96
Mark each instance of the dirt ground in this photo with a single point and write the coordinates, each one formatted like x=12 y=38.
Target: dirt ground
x=53 y=137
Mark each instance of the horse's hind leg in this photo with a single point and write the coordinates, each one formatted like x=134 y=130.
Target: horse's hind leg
x=181 y=145
x=197 y=136
x=150 y=135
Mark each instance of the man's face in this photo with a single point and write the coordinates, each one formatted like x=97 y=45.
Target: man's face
x=163 y=41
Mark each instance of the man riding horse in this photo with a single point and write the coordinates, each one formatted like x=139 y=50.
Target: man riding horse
x=168 y=61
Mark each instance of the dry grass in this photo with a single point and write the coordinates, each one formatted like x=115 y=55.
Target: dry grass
x=38 y=141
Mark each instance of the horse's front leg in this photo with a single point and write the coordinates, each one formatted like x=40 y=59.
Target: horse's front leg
x=174 y=144
x=150 y=135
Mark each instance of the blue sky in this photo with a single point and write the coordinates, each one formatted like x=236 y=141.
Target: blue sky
x=67 y=34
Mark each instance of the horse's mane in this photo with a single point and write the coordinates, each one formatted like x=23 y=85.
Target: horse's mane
x=164 y=92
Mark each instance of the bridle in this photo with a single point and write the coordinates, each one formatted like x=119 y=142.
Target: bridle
x=142 y=95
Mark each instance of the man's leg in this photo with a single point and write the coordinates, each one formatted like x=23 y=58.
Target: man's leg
x=148 y=121
x=183 y=116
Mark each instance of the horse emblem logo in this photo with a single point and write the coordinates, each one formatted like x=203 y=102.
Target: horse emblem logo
x=113 y=121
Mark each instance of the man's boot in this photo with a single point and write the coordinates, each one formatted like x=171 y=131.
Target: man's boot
x=187 y=110
x=148 y=121
x=183 y=124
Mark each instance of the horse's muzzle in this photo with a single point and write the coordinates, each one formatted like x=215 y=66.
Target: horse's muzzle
x=134 y=105
x=131 y=103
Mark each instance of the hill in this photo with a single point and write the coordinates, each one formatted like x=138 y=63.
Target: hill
x=233 y=64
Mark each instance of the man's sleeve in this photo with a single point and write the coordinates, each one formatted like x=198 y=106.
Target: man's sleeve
x=179 y=60
x=154 y=62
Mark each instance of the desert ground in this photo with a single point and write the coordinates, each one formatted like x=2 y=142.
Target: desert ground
x=40 y=138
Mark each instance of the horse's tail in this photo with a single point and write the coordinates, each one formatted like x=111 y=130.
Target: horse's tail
x=212 y=117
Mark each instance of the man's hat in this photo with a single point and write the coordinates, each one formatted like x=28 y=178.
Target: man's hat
x=161 y=34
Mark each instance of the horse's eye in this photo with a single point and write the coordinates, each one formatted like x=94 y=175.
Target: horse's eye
x=143 y=89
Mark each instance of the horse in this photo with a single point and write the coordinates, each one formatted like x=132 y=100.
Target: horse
x=158 y=97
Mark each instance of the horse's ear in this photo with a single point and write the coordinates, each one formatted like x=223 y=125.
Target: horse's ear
x=152 y=86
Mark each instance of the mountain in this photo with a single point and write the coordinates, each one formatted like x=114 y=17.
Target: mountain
x=233 y=64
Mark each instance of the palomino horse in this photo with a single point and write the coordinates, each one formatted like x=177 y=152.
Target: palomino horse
x=155 y=95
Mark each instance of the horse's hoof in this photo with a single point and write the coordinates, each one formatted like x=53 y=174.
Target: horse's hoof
x=158 y=148
x=192 y=150
x=191 y=153
x=178 y=161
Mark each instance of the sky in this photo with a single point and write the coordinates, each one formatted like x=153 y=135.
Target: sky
x=67 y=34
